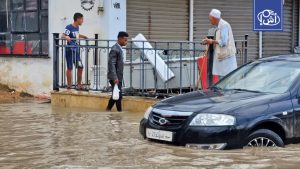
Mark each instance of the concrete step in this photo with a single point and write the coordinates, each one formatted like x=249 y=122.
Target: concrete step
x=98 y=101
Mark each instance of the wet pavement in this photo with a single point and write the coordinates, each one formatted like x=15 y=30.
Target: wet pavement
x=34 y=135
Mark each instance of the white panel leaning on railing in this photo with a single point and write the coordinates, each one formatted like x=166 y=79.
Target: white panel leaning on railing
x=164 y=72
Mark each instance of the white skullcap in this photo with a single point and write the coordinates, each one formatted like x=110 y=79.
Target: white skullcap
x=215 y=13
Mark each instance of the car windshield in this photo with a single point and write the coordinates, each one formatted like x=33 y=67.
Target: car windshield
x=262 y=76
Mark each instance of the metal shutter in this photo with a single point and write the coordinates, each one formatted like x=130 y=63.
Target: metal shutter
x=237 y=12
x=158 y=19
x=276 y=43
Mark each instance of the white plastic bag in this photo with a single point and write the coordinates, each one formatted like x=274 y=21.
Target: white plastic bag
x=116 y=93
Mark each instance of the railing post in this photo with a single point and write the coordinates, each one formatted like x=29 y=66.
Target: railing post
x=62 y=65
x=96 y=66
x=131 y=65
x=246 y=49
x=143 y=70
x=107 y=47
x=168 y=65
x=194 y=66
x=96 y=49
x=155 y=74
x=55 y=61
x=87 y=62
x=181 y=67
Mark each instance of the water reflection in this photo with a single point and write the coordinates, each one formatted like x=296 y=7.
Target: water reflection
x=34 y=135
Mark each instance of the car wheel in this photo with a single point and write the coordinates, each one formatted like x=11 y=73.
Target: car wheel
x=264 y=138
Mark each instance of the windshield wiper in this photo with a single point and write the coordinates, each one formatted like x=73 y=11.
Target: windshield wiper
x=215 y=88
x=246 y=90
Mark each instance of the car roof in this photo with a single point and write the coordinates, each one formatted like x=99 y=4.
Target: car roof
x=288 y=57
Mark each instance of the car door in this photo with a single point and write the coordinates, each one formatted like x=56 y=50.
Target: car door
x=283 y=110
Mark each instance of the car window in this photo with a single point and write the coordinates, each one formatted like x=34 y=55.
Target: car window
x=263 y=76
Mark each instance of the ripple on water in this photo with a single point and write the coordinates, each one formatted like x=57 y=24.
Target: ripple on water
x=36 y=135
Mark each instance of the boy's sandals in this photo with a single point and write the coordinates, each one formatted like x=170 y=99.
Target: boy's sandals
x=81 y=88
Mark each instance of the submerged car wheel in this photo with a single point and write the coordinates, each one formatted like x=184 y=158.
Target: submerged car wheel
x=264 y=138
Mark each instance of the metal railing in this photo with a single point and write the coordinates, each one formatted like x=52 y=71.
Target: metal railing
x=140 y=75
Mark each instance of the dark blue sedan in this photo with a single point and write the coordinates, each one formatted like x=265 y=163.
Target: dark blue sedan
x=257 y=105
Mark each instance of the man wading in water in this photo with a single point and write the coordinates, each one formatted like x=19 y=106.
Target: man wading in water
x=115 y=69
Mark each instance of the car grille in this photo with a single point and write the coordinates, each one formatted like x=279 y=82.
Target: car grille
x=171 y=121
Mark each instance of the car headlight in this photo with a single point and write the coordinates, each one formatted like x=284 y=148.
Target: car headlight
x=204 y=119
x=148 y=111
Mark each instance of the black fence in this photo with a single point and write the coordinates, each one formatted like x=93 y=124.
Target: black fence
x=151 y=67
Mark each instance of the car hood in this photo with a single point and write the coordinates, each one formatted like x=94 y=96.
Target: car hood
x=214 y=101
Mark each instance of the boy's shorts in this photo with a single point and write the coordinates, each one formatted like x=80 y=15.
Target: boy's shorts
x=73 y=57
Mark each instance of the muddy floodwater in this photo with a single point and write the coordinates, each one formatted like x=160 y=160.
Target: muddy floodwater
x=35 y=135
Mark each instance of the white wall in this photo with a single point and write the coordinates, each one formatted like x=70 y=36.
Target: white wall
x=117 y=18
x=27 y=74
x=114 y=21
x=35 y=75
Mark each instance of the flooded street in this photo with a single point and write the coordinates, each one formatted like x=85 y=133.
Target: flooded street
x=34 y=135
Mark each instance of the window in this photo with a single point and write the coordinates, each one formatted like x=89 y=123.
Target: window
x=24 y=27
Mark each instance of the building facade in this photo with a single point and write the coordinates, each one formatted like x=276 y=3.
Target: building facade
x=26 y=28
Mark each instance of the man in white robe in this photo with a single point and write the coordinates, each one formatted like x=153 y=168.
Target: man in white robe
x=224 y=46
